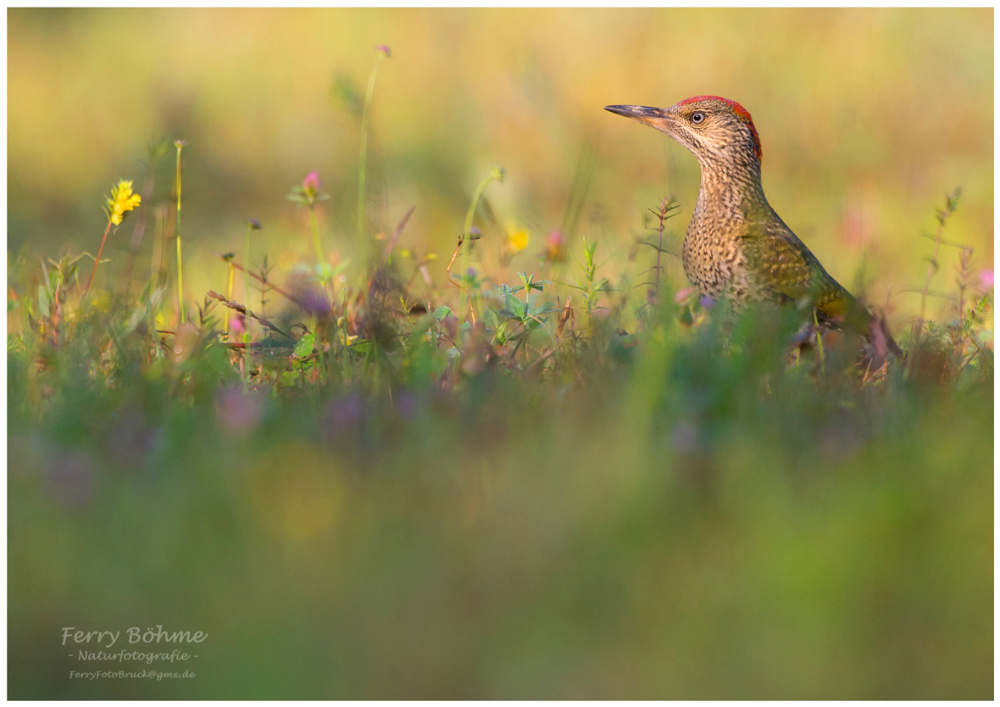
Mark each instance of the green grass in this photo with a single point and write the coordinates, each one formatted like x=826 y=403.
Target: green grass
x=553 y=477
x=673 y=512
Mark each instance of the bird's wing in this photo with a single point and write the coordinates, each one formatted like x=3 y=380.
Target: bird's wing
x=789 y=271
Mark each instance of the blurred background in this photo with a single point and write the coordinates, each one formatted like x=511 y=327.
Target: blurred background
x=867 y=117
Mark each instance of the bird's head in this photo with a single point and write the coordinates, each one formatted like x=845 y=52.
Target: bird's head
x=711 y=127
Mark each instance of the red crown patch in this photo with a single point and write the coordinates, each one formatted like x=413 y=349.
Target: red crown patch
x=741 y=112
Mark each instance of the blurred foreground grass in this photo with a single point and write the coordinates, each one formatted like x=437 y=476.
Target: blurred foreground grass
x=567 y=479
x=667 y=518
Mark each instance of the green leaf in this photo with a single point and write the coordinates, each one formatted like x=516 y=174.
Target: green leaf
x=504 y=289
x=304 y=346
x=500 y=337
x=43 y=301
x=514 y=306
x=546 y=308
x=442 y=312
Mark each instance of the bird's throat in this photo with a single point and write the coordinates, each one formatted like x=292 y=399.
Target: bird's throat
x=731 y=193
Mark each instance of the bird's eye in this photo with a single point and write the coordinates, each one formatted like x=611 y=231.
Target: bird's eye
x=697 y=117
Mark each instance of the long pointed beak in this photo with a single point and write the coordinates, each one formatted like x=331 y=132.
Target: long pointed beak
x=659 y=118
x=638 y=112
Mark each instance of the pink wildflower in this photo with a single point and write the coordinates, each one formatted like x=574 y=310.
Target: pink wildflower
x=682 y=295
x=555 y=246
x=311 y=183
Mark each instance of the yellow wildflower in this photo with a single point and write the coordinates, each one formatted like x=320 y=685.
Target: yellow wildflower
x=121 y=201
x=517 y=240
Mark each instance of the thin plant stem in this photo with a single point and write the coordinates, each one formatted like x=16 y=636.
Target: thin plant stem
x=320 y=257
x=819 y=343
x=245 y=338
x=659 y=253
x=179 y=144
x=951 y=203
x=456 y=283
x=287 y=295
x=252 y=225
x=246 y=277
x=97 y=260
x=663 y=212
x=363 y=170
x=324 y=268
x=229 y=289
x=496 y=175
x=932 y=268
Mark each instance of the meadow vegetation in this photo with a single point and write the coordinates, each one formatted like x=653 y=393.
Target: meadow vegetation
x=500 y=461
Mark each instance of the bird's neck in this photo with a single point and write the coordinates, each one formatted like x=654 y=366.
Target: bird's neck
x=733 y=188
